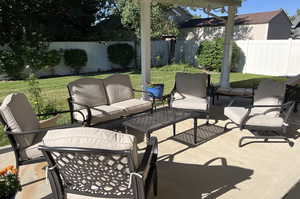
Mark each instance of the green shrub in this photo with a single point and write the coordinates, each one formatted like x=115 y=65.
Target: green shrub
x=11 y=64
x=40 y=106
x=121 y=54
x=53 y=58
x=210 y=54
x=75 y=58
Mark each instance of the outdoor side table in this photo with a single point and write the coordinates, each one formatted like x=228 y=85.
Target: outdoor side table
x=151 y=121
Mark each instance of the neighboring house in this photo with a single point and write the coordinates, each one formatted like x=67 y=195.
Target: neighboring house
x=253 y=26
x=179 y=15
x=296 y=28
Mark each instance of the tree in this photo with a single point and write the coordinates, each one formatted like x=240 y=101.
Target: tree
x=161 y=25
x=27 y=26
x=21 y=32
x=292 y=18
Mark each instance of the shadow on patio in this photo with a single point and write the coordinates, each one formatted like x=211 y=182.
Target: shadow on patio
x=178 y=180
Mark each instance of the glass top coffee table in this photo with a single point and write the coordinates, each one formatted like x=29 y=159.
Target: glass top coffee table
x=160 y=118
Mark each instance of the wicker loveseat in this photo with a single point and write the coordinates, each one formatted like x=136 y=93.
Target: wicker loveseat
x=93 y=101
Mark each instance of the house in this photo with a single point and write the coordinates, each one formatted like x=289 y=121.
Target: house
x=254 y=26
x=179 y=15
x=296 y=28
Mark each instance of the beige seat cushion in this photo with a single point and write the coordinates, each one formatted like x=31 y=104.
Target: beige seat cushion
x=192 y=103
x=236 y=114
x=31 y=152
x=88 y=91
x=92 y=138
x=101 y=113
x=192 y=84
x=19 y=116
x=265 y=121
x=133 y=106
x=118 y=88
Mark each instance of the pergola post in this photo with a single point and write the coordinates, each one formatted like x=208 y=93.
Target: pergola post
x=226 y=65
x=145 y=43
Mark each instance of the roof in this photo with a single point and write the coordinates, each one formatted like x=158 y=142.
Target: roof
x=296 y=22
x=244 y=19
x=180 y=11
x=201 y=3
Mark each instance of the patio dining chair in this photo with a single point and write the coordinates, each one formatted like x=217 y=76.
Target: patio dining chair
x=23 y=129
x=267 y=118
x=90 y=163
x=191 y=93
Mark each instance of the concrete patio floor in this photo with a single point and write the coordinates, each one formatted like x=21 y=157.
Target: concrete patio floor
x=217 y=168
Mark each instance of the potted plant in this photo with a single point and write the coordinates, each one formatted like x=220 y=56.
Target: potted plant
x=156 y=90
x=9 y=182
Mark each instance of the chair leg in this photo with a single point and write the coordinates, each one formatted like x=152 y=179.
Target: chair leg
x=296 y=107
x=226 y=125
x=155 y=182
x=265 y=138
x=195 y=130
x=207 y=119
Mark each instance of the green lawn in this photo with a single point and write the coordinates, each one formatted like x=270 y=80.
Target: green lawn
x=54 y=89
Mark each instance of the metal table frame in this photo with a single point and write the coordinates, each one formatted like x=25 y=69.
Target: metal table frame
x=159 y=119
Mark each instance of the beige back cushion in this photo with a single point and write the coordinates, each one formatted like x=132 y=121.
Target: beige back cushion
x=118 y=88
x=269 y=92
x=192 y=84
x=95 y=138
x=88 y=91
x=18 y=114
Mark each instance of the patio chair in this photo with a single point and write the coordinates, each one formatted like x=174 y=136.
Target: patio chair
x=191 y=93
x=267 y=118
x=23 y=129
x=95 y=163
x=293 y=90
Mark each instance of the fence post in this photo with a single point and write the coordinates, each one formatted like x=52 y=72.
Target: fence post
x=290 y=46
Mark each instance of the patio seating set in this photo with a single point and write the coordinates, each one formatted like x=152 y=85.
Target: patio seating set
x=89 y=162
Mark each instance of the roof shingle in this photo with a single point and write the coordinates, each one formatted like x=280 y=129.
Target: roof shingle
x=243 y=19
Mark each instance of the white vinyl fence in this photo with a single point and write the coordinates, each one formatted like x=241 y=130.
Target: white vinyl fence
x=270 y=57
x=263 y=57
x=98 y=58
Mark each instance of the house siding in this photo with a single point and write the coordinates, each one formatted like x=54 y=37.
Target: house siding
x=242 y=32
x=279 y=27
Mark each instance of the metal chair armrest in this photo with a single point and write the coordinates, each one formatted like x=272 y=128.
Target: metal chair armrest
x=87 y=120
x=27 y=132
x=37 y=130
x=288 y=105
x=149 y=157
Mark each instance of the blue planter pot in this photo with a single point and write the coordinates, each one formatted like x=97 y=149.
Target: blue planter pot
x=157 y=90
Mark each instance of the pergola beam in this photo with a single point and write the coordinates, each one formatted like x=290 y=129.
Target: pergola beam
x=202 y=3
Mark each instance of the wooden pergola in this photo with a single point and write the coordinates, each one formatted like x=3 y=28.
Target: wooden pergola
x=209 y=5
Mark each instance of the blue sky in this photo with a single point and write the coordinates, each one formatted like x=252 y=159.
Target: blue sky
x=251 y=6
